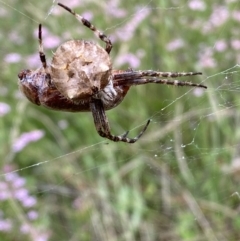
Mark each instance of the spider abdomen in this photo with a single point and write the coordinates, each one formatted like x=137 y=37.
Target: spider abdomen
x=80 y=69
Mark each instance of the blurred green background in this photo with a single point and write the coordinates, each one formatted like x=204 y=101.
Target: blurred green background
x=61 y=181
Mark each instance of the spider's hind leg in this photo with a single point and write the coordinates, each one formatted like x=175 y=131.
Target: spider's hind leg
x=102 y=125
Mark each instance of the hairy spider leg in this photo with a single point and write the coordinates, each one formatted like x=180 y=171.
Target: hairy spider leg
x=102 y=125
x=142 y=81
x=144 y=77
x=86 y=23
x=41 y=52
x=152 y=73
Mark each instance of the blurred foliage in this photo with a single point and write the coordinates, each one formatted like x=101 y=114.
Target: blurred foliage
x=180 y=181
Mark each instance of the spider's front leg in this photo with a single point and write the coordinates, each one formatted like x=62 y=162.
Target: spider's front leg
x=102 y=125
x=41 y=52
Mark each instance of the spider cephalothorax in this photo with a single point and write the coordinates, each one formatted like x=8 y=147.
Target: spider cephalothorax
x=80 y=78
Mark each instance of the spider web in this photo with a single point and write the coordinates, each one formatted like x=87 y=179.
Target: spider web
x=180 y=181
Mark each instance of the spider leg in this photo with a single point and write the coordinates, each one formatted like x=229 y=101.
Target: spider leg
x=86 y=23
x=152 y=73
x=102 y=125
x=125 y=134
x=129 y=78
x=155 y=80
x=41 y=52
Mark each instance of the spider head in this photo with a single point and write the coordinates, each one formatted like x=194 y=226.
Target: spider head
x=32 y=83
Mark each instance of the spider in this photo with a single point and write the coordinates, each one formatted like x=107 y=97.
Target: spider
x=80 y=78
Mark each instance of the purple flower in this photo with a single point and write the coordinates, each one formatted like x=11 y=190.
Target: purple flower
x=32 y=215
x=236 y=15
x=113 y=9
x=126 y=32
x=220 y=45
x=206 y=59
x=33 y=61
x=218 y=17
x=25 y=228
x=198 y=92
x=8 y=168
x=3 y=186
x=37 y=235
x=129 y=59
x=45 y=32
x=4 y=108
x=12 y=58
x=42 y=237
x=51 y=42
x=26 y=138
x=175 y=44
x=73 y=3
x=10 y=177
x=18 y=182
x=29 y=202
x=5 y=225
x=88 y=15
x=21 y=194
x=235 y=43
x=197 y=5
x=4 y=194
x=13 y=187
